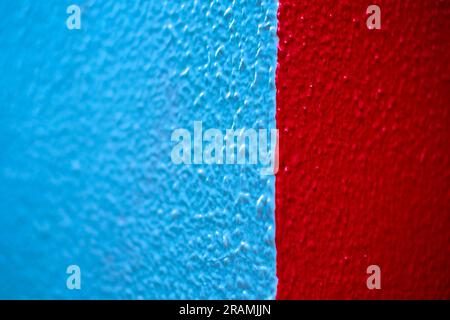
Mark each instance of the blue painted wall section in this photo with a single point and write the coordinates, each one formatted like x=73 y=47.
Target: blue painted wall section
x=86 y=176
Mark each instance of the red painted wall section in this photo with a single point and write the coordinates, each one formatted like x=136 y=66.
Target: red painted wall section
x=364 y=150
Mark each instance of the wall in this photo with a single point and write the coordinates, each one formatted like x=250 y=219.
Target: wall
x=364 y=164
x=86 y=176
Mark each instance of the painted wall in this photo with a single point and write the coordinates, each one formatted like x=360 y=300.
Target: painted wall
x=86 y=176
x=364 y=150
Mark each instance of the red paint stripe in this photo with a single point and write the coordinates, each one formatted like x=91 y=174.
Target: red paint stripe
x=364 y=162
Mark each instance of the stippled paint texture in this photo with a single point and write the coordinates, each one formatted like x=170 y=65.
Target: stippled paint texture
x=364 y=170
x=86 y=176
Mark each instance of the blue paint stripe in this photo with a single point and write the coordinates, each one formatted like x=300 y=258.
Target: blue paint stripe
x=86 y=176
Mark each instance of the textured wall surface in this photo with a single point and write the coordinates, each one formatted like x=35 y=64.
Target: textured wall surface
x=85 y=171
x=86 y=178
x=364 y=162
